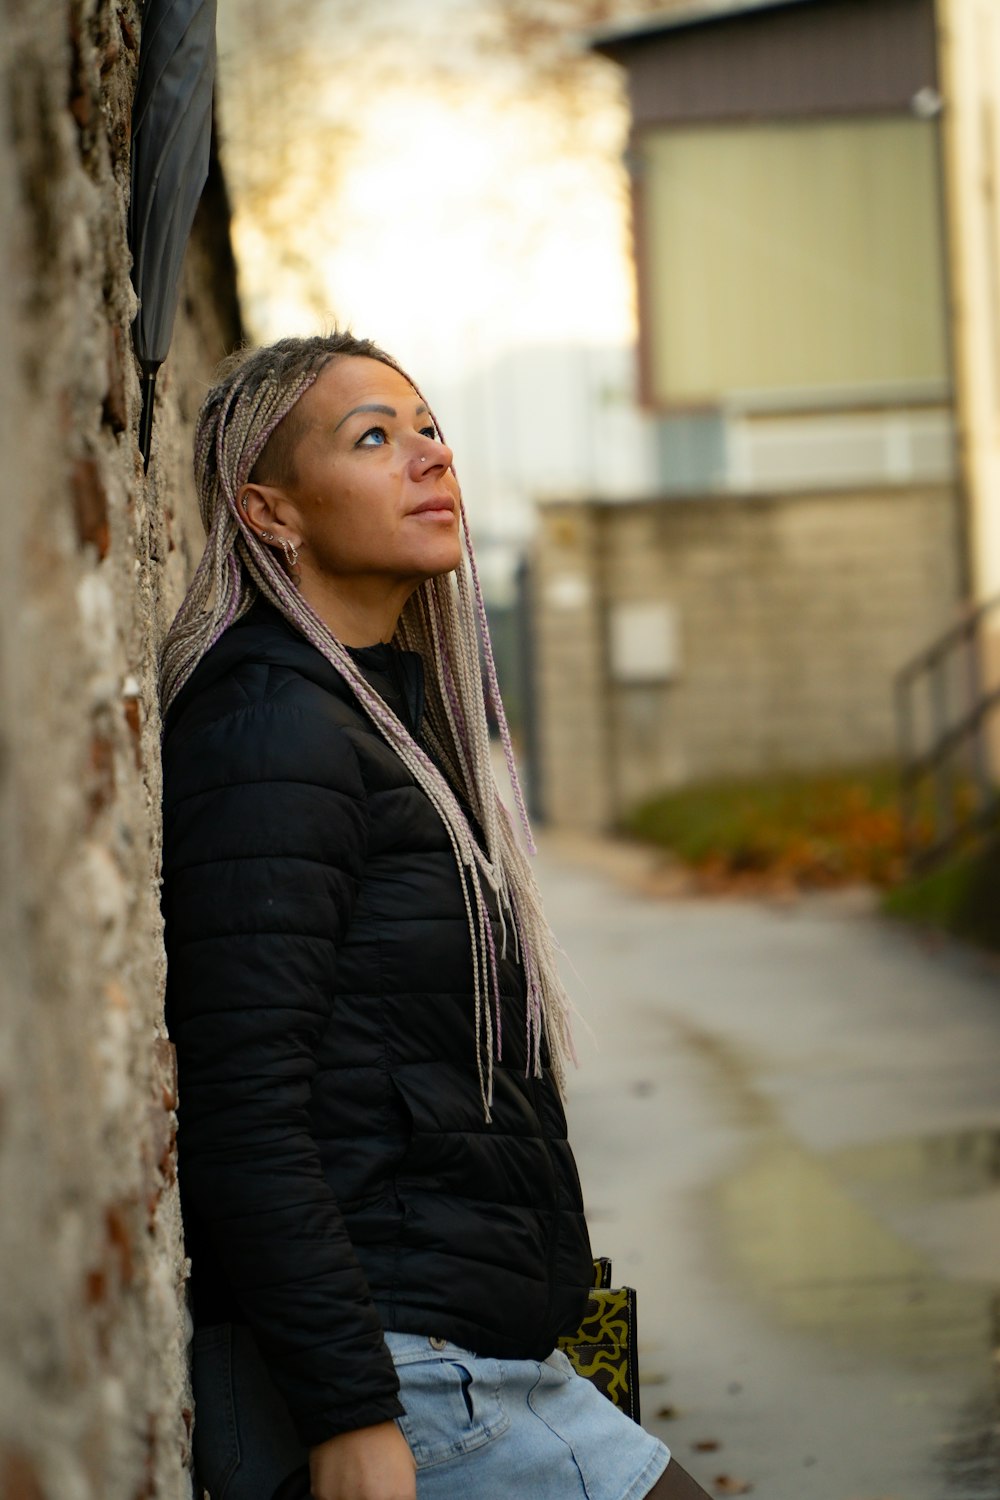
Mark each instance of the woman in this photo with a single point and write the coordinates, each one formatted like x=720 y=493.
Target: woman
x=381 y=1208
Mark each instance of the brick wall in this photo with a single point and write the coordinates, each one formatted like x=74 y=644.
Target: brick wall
x=93 y=559
x=793 y=613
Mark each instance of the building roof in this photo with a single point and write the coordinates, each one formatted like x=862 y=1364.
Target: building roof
x=696 y=13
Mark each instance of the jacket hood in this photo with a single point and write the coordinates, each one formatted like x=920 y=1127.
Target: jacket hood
x=264 y=636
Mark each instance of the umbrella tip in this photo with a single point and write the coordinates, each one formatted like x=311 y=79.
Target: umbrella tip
x=148 y=383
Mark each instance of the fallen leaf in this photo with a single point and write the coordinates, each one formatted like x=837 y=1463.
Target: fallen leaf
x=707 y=1445
x=667 y=1413
x=726 y=1484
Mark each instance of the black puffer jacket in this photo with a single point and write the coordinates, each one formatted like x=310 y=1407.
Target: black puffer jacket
x=337 y=1174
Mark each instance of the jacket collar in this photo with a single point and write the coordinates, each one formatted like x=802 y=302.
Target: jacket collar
x=398 y=678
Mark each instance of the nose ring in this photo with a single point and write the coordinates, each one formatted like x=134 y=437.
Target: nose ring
x=423 y=460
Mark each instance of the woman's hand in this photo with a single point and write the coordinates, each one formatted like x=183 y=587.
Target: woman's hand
x=373 y=1463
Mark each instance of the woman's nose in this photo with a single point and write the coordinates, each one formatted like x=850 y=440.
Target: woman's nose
x=433 y=455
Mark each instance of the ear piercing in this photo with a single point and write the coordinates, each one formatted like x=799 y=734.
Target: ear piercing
x=289 y=549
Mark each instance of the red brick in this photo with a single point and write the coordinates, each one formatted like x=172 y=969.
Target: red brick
x=18 y=1477
x=90 y=502
x=116 y=400
x=165 y=1055
x=119 y=1238
x=101 y=777
x=128 y=34
x=96 y=1287
x=133 y=718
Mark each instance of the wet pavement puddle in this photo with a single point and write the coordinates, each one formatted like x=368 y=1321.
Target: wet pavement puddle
x=883 y=1255
x=813 y=1237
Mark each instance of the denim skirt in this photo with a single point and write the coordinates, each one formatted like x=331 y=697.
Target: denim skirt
x=492 y=1428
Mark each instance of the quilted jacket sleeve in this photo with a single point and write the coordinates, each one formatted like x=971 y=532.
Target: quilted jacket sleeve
x=265 y=831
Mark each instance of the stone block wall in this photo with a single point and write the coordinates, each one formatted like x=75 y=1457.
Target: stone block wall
x=793 y=613
x=93 y=560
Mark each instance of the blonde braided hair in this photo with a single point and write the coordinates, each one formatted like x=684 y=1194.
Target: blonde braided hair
x=443 y=620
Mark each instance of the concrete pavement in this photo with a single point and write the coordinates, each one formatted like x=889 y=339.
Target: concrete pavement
x=787 y=1119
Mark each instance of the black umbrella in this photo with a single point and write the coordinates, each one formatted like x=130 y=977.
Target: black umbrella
x=171 y=140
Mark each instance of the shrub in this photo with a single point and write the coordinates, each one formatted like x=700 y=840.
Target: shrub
x=817 y=829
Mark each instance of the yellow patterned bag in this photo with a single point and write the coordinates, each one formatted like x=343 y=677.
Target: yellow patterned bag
x=604 y=1348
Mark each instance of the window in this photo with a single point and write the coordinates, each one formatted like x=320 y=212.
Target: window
x=797 y=261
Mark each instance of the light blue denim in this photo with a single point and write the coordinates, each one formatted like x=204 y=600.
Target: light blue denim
x=490 y=1429
x=499 y=1428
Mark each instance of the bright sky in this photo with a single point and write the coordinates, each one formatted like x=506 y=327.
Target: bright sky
x=437 y=208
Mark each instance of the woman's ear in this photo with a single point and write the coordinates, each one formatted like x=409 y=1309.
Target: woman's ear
x=260 y=504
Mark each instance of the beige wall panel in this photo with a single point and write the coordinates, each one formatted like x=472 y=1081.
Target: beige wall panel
x=799 y=256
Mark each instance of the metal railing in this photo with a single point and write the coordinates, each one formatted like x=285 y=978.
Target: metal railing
x=944 y=709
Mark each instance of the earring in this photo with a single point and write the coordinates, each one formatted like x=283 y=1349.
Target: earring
x=267 y=536
x=290 y=551
x=243 y=502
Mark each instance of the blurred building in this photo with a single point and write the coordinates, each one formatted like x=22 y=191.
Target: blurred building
x=969 y=62
x=811 y=206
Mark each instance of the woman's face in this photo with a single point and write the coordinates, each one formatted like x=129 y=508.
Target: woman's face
x=373 y=491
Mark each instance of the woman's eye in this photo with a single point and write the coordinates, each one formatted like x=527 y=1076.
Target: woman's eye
x=430 y=432
x=373 y=438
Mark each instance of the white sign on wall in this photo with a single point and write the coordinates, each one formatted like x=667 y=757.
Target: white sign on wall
x=568 y=591
x=644 y=642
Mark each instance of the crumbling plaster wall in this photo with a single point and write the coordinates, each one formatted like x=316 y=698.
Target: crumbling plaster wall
x=93 y=560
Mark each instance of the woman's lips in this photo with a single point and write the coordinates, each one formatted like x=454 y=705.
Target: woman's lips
x=439 y=508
